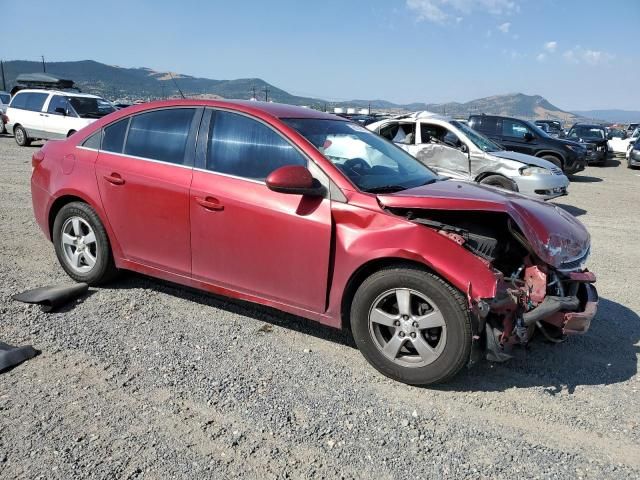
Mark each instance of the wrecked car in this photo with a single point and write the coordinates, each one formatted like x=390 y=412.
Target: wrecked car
x=454 y=149
x=594 y=138
x=319 y=217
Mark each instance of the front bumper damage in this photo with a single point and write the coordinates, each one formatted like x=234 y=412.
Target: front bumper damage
x=553 y=303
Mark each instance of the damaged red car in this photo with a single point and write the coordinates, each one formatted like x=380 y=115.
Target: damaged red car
x=316 y=216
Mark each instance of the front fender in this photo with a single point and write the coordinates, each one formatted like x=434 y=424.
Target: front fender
x=386 y=236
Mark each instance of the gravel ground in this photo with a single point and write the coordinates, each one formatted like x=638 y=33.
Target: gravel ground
x=148 y=379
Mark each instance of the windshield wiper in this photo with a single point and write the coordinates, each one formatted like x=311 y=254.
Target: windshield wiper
x=385 y=189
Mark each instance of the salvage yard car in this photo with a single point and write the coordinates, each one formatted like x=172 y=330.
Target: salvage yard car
x=50 y=114
x=594 y=138
x=522 y=136
x=453 y=149
x=317 y=216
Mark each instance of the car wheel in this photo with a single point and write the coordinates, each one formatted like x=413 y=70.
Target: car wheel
x=82 y=245
x=555 y=160
x=411 y=326
x=71 y=132
x=498 y=181
x=21 y=136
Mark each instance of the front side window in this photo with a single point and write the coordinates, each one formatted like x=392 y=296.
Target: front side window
x=113 y=139
x=513 y=129
x=57 y=101
x=160 y=135
x=243 y=147
x=371 y=163
x=35 y=101
x=479 y=140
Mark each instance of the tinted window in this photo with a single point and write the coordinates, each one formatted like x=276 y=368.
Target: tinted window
x=5 y=98
x=113 y=139
x=35 y=101
x=57 y=101
x=19 y=100
x=511 y=128
x=93 y=141
x=160 y=135
x=483 y=124
x=247 y=148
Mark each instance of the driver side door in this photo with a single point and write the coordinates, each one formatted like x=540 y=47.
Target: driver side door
x=436 y=150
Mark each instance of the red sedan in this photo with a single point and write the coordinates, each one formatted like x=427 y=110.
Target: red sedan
x=315 y=215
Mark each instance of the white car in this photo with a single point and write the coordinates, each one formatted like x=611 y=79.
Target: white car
x=619 y=141
x=52 y=114
x=455 y=150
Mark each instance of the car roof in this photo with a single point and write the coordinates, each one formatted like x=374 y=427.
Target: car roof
x=589 y=125
x=57 y=92
x=278 y=110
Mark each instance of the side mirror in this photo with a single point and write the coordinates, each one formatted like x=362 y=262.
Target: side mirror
x=296 y=180
x=528 y=136
x=61 y=111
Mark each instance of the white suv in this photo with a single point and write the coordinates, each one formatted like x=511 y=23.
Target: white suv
x=50 y=114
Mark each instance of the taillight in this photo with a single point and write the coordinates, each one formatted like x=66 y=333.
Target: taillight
x=37 y=158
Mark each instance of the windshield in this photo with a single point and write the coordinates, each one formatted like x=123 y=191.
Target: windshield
x=372 y=163
x=591 y=133
x=479 y=140
x=5 y=97
x=90 y=107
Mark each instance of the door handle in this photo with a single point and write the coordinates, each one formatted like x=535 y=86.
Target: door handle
x=114 y=179
x=210 y=203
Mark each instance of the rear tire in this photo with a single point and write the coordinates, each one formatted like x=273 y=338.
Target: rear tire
x=431 y=345
x=553 y=159
x=71 y=132
x=82 y=245
x=20 y=134
x=498 y=181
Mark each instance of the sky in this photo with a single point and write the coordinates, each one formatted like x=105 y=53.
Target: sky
x=579 y=54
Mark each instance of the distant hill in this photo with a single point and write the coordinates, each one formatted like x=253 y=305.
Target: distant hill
x=115 y=82
x=619 y=116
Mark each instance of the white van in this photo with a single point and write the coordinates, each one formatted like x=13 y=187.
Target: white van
x=51 y=114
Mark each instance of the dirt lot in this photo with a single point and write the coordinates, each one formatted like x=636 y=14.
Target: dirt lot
x=148 y=379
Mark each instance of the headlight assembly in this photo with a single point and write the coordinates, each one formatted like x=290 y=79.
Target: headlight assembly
x=530 y=170
x=576 y=148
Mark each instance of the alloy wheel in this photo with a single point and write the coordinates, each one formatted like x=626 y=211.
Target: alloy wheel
x=407 y=327
x=79 y=244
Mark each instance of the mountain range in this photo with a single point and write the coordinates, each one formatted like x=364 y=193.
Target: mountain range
x=121 y=83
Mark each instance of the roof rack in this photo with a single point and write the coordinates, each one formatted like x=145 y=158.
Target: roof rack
x=42 y=80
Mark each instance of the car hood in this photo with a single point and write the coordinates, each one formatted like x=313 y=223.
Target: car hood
x=524 y=158
x=555 y=235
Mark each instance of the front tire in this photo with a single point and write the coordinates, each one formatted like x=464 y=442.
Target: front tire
x=411 y=325
x=20 y=134
x=553 y=159
x=498 y=181
x=82 y=245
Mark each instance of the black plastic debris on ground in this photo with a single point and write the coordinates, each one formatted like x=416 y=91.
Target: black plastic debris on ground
x=52 y=297
x=11 y=356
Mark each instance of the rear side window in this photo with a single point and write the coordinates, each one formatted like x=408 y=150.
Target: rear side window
x=35 y=101
x=113 y=139
x=484 y=124
x=19 y=101
x=243 y=147
x=160 y=135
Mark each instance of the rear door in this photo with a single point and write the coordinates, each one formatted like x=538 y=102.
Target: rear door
x=514 y=137
x=246 y=237
x=144 y=172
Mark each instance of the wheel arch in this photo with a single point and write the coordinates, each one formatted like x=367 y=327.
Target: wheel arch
x=551 y=153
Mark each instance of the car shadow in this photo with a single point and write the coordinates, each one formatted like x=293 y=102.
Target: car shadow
x=129 y=280
x=606 y=354
x=575 y=211
x=584 y=179
x=611 y=162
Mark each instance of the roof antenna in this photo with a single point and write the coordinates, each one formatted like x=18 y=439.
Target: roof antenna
x=176 y=84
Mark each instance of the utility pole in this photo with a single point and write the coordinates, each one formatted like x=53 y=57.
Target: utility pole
x=253 y=96
x=266 y=93
x=4 y=86
x=369 y=108
x=44 y=67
